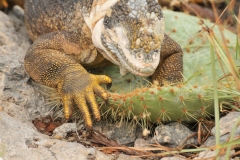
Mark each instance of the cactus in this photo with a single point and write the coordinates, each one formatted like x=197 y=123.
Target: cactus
x=182 y=102
x=135 y=98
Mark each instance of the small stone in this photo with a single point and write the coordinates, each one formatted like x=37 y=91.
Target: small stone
x=173 y=135
x=121 y=132
x=142 y=143
x=174 y=158
x=211 y=140
x=126 y=157
x=61 y=131
x=211 y=155
x=19 y=12
x=227 y=123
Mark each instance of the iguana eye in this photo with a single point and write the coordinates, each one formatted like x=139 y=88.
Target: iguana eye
x=139 y=56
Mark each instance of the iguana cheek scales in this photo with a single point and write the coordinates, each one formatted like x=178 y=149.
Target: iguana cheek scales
x=69 y=34
x=97 y=40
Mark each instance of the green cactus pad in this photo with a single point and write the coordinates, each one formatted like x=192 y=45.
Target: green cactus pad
x=163 y=104
x=192 y=35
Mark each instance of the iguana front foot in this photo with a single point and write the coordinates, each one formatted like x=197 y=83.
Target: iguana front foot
x=50 y=61
x=170 y=69
x=80 y=89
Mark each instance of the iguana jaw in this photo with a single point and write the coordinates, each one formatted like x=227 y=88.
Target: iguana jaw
x=114 y=45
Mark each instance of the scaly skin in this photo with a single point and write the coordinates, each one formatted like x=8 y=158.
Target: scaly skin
x=71 y=34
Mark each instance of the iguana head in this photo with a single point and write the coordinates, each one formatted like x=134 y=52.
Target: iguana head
x=130 y=35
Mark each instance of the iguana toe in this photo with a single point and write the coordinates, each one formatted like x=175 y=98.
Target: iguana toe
x=91 y=100
x=68 y=106
x=82 y=105
x=98 y=89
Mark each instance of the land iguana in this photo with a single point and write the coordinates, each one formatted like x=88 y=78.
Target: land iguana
x=70 y=35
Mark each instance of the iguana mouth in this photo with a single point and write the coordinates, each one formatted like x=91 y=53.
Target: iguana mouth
x=144 y=69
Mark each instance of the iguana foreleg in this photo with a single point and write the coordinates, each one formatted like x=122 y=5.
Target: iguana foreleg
x=49 y=62
x=170 y=68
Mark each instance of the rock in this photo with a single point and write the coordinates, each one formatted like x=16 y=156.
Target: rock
x=227 y=123
x=17 y=17
x=211 y=140
x=13 y=110
x=76 y=151
x=6 y=31
x=61 y=131
x=121 y=132
x=125 y=157
x=18 y=12
x=142 y=143
x=20 y=140
x=173 y=135
x=211 y=155
x=174 y=158
x=14 y=86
